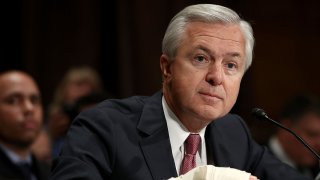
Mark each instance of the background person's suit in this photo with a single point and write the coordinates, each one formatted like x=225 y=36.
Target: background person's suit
x=10 y=171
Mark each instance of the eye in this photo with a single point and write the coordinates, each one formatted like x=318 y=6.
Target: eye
x=201 y=60
x=231 y=65
x=36 y=100
x=13 y=100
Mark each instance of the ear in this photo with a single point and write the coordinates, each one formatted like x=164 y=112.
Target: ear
x=165 y=66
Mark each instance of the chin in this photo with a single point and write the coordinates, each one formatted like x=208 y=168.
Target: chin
x=211 y=116
x=212 y=112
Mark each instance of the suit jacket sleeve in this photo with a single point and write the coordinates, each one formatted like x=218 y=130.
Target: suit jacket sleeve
x=118 y=139
x=84 y=155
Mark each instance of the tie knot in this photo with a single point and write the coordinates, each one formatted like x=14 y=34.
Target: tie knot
x=192 y=143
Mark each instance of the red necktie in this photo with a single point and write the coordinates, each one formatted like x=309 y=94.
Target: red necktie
x=191 y=148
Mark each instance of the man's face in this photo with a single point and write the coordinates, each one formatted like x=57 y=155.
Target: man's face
x=20 y=110
x=308 y=128
x=203 y=80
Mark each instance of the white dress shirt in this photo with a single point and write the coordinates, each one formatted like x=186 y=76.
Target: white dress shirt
x=178 y=133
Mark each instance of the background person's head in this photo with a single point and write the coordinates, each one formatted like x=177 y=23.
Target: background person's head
x=86 y=102
x=206 y=51
x=302 y=115
x=78 y=82
x=21 y=113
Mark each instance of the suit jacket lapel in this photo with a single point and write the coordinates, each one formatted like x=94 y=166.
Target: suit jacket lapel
x=209 y=138
x=217 y=153
x=155 y=142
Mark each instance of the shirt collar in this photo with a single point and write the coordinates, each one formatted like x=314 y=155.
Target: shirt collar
x=15 y=158
x=178 y=133
x=279 y=152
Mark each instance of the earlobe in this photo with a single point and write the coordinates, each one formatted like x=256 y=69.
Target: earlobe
x=165 y=65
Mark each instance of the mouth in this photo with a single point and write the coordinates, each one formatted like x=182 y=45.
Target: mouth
x=210 y=95
x=30 y=125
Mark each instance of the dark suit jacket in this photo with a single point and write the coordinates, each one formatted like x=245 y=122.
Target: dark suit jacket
x=10 y=171
x=128 y=139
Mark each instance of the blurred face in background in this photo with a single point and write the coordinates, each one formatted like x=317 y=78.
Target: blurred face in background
x=20 y=110
x=308 y=128
x=78 y=88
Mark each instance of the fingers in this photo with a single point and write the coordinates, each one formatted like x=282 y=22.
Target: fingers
x=253 y=178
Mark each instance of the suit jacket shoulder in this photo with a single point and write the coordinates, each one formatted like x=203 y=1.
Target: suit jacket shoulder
x=118 y=139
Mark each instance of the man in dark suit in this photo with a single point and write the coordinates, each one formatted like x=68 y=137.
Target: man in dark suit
x=20 y=123
x=206 y=51
x=302 y=115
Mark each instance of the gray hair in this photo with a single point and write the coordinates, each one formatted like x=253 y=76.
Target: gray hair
x=208 y=13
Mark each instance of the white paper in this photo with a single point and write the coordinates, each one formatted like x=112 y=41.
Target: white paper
x=210 y=172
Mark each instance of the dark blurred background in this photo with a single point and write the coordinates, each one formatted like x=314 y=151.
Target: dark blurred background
x=122 y=41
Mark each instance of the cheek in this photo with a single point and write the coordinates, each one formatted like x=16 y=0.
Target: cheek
x=179 y=87
x=183 y=77
x=39 y=114
x=193 y=78
x=232 y=91
x=8 y=123
x=10 y=115
x=186 y=86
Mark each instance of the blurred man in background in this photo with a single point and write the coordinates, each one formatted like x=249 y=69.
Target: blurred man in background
x=302 y=115
x=79 y=81
x=21 y=119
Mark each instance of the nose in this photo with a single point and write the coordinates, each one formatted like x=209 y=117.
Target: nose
x=215 y=74
x=28 y=106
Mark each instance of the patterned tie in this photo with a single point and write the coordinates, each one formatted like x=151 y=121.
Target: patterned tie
x=191 y=148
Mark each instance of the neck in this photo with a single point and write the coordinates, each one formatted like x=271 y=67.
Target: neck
x=193 y=125
x=189 y=120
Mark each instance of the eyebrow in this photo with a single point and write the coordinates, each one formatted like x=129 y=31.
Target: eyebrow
x=20 y=94
x=234 y=54
x=212 y=53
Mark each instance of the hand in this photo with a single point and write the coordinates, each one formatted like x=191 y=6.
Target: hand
x=253 y=178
